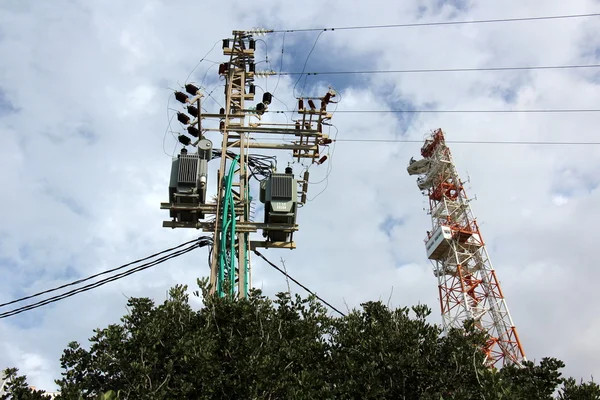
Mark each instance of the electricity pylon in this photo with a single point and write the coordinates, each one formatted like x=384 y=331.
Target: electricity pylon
x=468 y=286
x=231 y=224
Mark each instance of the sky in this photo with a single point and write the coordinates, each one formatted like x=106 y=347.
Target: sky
x=85 y=153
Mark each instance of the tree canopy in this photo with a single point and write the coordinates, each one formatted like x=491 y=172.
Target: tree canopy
x=290 y=348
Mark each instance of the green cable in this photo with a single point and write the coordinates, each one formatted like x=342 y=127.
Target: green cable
x=228 y=221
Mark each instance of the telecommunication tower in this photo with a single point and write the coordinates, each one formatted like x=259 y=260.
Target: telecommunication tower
x=468 y=286
x=229 y=216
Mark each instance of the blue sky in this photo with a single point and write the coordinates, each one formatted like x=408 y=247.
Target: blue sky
x=83 y=100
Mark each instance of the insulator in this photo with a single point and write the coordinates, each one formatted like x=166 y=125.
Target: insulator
x=184 y=150
x=222 y=111
x=300 y=104
x=223 y=68
x=305 y=177
x=225 y=43
x=322 y=160
x=311 y=104
x=327 y=98
x=184 y=119
x=289 y=170
x=326 y=141
x=181 y=97
x=267 y=97
x=222 y=125
x=298 y=125
x=320 y=128
x=184 y=140
x=251 y=67
x=252 y=89
x=191 y=89
x=260 y=108
x=252 y=44
x=192 y=130
x=193 y=111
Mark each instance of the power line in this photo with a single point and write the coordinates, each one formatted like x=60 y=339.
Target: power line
x=298 y=283
x=95 y=275
x=507 y=142
x=440 y=23
x=200 y=242
x=563 y=110
x=471 y=142
x=410 y=71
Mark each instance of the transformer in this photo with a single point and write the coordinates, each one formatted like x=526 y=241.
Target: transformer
x=189 y=174
x=279 y=193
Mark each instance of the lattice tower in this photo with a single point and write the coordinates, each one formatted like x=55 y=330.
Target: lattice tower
x=468 y=286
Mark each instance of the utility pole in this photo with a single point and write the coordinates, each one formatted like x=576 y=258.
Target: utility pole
x=468 y=286
x=236 y=123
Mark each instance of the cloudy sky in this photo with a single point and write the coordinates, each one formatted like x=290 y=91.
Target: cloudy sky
x=85 y=96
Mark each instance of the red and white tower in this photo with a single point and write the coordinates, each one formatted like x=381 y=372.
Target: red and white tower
x=468 y=285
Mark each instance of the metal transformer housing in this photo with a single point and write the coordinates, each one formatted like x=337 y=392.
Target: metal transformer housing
x=279 y=193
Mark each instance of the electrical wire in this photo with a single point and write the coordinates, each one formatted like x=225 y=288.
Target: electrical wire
x=574 y=143
x=304 y=67
x=423 y=70
x=298 y=283
x=202 y=59
x=471 y=142
x=92 y=285
x=200 y=242
x=533 y=111
x=280 y=64
x=96 y=275
x=260 y=165
x=440 y=23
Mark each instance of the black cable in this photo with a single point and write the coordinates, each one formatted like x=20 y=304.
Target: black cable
x=201 y=242
x=562 y=110
x=93 y=285
x=481 y=21
x=96 y=275
x=298 y=283
x=407 y=71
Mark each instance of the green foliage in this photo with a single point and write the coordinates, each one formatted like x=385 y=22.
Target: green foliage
x=290 y=348
x=17 y=388
x=582 y=391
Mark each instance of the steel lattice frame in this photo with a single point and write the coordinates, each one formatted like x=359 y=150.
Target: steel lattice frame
x=467 y=281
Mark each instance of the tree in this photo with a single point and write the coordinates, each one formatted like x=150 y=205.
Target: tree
x=17 y=388
x=290 y=348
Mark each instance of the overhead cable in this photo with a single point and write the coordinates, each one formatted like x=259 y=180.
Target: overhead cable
x=440 y=23
x=471 y=142
x=508 y=142
x=200 y=242
x=424 y=70
x=532 y=111
x=298 y=283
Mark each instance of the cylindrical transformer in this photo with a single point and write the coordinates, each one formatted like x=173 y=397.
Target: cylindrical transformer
x=205 y=149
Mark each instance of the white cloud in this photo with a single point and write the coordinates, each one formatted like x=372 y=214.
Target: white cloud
x=84 y=170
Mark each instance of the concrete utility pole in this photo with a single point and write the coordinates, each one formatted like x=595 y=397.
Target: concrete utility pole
x=281 y=194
